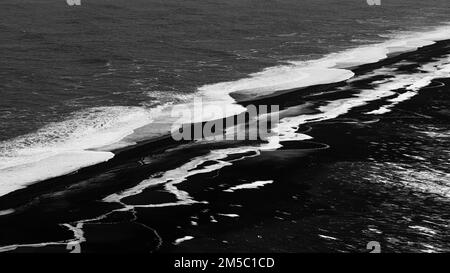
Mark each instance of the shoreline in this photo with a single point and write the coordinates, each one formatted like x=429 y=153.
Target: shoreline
x=159 y=144
x=396 y=45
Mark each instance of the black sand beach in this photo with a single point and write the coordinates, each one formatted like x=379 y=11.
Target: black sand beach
x=361 y=178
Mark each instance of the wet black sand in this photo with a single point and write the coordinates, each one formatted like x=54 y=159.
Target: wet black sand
x=351 y=184
x=339 y=192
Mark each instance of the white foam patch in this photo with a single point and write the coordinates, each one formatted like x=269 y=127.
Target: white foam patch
x=6 y=212
x=278 y=79
x=68 y=244
x=327 y=237
x=89 y=129
x=446 y=68
x=18 y=177
x=231 y=215
x=379 y=111
x=64 y=147
x=183 y=239
x=171 y=178
x=254 y=185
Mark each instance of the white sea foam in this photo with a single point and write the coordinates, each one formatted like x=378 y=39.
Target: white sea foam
x=327 y=237
x=181 y=240
x=17 y=177
x=66 y=244
x=231 y=215
x=254 y=185
x=276 y=80
x=64 y=147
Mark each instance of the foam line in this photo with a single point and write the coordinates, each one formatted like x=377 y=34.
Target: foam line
x=254 y=185
x=18 y=177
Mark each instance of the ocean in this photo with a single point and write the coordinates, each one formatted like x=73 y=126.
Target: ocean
x=77 y=82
